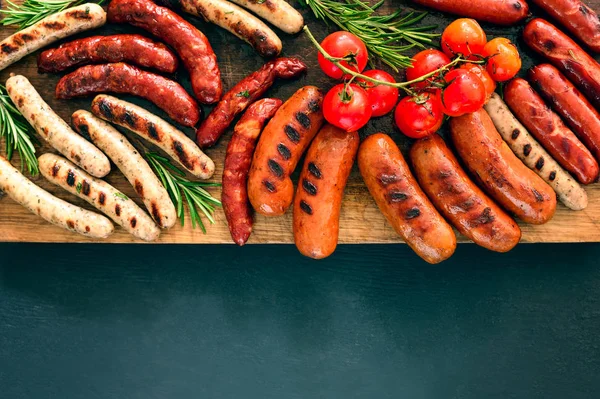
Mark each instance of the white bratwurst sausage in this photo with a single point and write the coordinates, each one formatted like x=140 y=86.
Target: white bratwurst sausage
x=277 y=12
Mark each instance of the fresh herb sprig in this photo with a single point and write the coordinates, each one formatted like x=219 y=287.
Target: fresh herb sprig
x=17 y=134
x=198 y=199
x=387 y=36
x=33 y=11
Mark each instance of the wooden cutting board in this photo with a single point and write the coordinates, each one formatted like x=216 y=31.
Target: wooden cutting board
x=361 y=221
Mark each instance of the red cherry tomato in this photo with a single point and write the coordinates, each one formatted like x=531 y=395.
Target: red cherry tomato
x=488 y=82
x=463 y=36
x=464 y=93
x=504 y=61
x=419 y=116
x=347 y=109
x=341 y=44
x=382 y=98
x=425 y=62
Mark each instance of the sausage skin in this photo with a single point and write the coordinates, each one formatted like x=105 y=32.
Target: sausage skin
x=245 y=92
x=500 y=173
x=279 y=149
x=500 y=12
x=277 y=12
x=238 y=157
x=550 y=131
x=320 y=191
x=401 y=200
x=458 y=199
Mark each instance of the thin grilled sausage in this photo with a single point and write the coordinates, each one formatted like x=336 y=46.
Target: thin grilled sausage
x=133 y=49
x=101 y=195
x=55 y=130
x=320 y=191
x=245 y=92
x=50 y=208
x=550 y=131
x=234 y=195
x=533 y=155
x=133 y=166
x=277 y=12
x=192 y=46
x=566 y=55
x=458 y=199
x=401 y=200
x=500 y=12
x=166 y=94
x=500 y=173
x=50 y=29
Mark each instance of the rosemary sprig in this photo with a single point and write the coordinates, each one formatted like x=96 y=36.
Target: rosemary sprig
x=199 y=200
x=17 y=134
x=386 y=36
x=32 y=11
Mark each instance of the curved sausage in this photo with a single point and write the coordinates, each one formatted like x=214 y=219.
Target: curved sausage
x=320 y=191
x=133 y=166
x=401 y=200
x=245 y=92
x=550 y=131
x=134 y=49
x=277 y=12
x=192 y=46
x=152 y=128
x=165 y=93
x=279 y=149
x=566 y=55
x=50 y=29
x=55 y=130
x=103 y=196
x=500 y=12
x=50 y=208
x=234 y=195
x=501 y=174
x=533 y=155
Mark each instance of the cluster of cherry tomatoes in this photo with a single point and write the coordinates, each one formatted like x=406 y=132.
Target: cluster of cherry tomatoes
x=434 y=88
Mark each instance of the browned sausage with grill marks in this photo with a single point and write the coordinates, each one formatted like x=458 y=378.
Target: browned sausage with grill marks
x=500 y=12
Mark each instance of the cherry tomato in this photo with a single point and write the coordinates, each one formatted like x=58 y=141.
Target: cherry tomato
x=425 y=62
x=480 y=71
x=347 y=109
x=419 y=116
x=382 y=98
x=463 y=36
x=504 y=60
x=464 y=93
x=341 y=44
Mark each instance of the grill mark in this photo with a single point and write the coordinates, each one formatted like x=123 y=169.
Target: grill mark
x=156 y=212
x=27 y=37
x=515 y=134
x=71 y=178
x=517 y=6
x=306 y=207
x=101 y=198
x=540 y=163
x=385 y=179
x=8 y=49
x=314 y=170
x=182 y=155
x=486 y=217
x=310 y=188
x=292 y=134
x=552 y=176
x=71 y=224
x=538 y=196
x=83 y=128
x=270 y=187
x=444 y=174
x=55 y=170
x=412 y=213
x=153 y=132
x=79 y=14
x=118 y=210
x=53 y=25
x=303 y=119
x=106 y=110
x=275 y=168
x=284 y=151
x=139 y=187
x=397 y=196
x=314 y=105
x=527 y=149
x=85 y=187
x=129 y=118
x=549 y=45
x=467 y=205
x=133 y=222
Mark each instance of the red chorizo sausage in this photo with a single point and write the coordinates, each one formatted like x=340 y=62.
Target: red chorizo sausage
x=401 y=200
x=550 y=131
x=501 y=12
x=320 y=191
x=245 y=92
x=234 y=195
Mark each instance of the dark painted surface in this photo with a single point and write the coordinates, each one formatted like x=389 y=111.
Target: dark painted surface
x=262 y=322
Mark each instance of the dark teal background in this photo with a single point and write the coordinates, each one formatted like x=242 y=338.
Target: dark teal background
x=208 y=321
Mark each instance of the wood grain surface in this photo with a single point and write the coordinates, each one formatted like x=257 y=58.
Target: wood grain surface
x=361 y=221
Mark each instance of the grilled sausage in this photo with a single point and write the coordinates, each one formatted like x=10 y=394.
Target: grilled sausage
x=578 y=18
x=279 y=149
x=245 y=92
x=277 y=12
x=165 y=93
x=50 y=208
x=550 y=131
x=234 y=195
x=103 y=196
x=533 y=155
x=458 y=199
x=402 y=201
x=500 y=12
x=134 y=49
x=55 y=130
x=569 y=103
x=320 y=191
x=50 y=29
x=133 y=166
x=192 y=46
x=500 y=173
x=566 y=55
